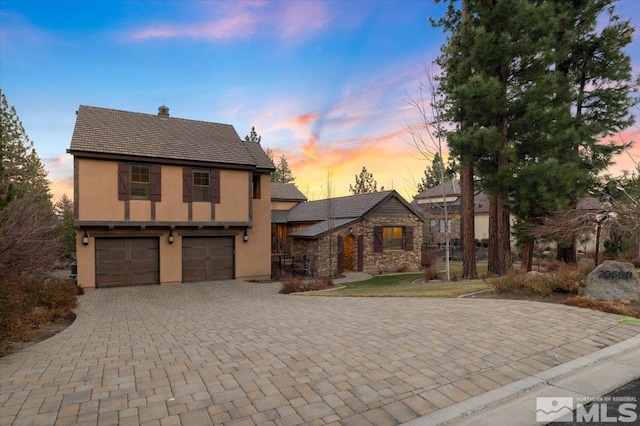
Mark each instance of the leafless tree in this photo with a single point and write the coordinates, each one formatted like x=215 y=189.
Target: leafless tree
x=30 y=242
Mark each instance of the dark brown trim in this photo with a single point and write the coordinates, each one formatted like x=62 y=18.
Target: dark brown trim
x=126 y=235
x=190 y=211
x=251 y=195
x=76 y=188
x=208 y=233
x=167 y=161
x=126 y=210
x=153 y=210
x=213 y=211
x=150 y=224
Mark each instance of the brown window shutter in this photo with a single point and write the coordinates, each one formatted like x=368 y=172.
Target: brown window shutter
x=408 y=238
x=156 y=183
x=378 y=243
x=215 y=186
x=340 y=254
x=187 y=185
x=124 y=182
x=360 y=253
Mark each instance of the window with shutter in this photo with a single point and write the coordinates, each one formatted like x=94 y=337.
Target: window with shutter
x=140 y=182
x=201 y=186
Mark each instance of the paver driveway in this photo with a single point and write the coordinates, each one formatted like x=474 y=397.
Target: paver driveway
x=239 y=353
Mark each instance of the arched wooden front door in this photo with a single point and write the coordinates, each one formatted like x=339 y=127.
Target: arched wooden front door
x=348 y=253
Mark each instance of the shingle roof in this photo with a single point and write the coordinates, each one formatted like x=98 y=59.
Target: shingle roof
x=351 y=206
x=114 y=132
x=279 y=216
x=286 y=192
x=320 y=228
x=449 y=187
x=341 y=207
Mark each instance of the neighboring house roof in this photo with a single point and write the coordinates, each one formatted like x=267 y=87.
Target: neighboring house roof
x=279 y=216
x=450 y=187
x=286 y=192
x=109 y=132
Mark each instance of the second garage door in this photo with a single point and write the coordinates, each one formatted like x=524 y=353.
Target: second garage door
x=207 y=258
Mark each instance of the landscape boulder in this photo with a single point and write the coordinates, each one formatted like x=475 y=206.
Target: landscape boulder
x=612 y=281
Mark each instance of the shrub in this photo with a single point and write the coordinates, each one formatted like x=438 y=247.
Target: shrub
x=609 y=306
x=510 y=283
x=296 y=284
x=636 y=262
x=541 y=284
x=567 y=278
x=29 y=302
x=429 y=259
x=430 y=273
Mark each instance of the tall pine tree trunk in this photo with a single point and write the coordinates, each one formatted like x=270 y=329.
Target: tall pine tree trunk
x=493 y=257
x=467 y=224
x=527 y=256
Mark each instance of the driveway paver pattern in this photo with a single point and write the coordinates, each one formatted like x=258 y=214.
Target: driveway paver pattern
x=238 y=353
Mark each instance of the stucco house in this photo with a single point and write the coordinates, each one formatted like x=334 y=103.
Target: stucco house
x=376 y=232
x=432 y=203
x=164 y=200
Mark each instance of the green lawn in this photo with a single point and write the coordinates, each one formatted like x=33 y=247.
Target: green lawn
x=405 y=285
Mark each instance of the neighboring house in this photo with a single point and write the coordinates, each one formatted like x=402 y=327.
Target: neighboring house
x=163 y=200
x=432 y=203
x=284 y=197
x=376 y=232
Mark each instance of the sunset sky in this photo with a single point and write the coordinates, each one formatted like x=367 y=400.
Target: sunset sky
x=324 y=83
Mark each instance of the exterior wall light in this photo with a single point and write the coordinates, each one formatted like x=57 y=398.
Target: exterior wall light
x=170 y=236
x=245 y=237
x=85 y=238
x=350 y=230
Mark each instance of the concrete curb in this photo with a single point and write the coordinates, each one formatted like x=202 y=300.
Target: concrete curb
x=514 y=404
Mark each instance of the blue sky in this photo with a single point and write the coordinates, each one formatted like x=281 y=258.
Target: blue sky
x=324 y=83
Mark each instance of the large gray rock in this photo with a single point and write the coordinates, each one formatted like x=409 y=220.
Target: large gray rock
x=612 y=281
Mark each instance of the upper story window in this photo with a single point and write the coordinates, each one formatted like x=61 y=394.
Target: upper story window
x=256 y=187
x=140 y=182
x=201 y=185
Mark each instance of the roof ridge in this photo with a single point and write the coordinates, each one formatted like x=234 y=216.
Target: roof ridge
x=156 y=115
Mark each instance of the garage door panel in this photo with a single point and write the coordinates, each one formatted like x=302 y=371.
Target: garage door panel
x=122 y=262
x=207 y=258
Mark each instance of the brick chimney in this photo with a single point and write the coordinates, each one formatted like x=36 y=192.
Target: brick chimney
x=163 y=111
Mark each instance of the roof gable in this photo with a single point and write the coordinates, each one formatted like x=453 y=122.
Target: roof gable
x=124 y=133
x=286 y=192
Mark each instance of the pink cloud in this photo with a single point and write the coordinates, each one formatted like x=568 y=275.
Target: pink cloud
x=243 y=19
x=232 y=20
x=301 y=18
x=304 y=119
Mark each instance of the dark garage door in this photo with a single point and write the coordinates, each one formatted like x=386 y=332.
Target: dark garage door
x=122 y=262
x=207 y=258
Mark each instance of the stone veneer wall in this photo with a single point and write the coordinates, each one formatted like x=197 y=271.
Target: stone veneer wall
x=374 y=263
